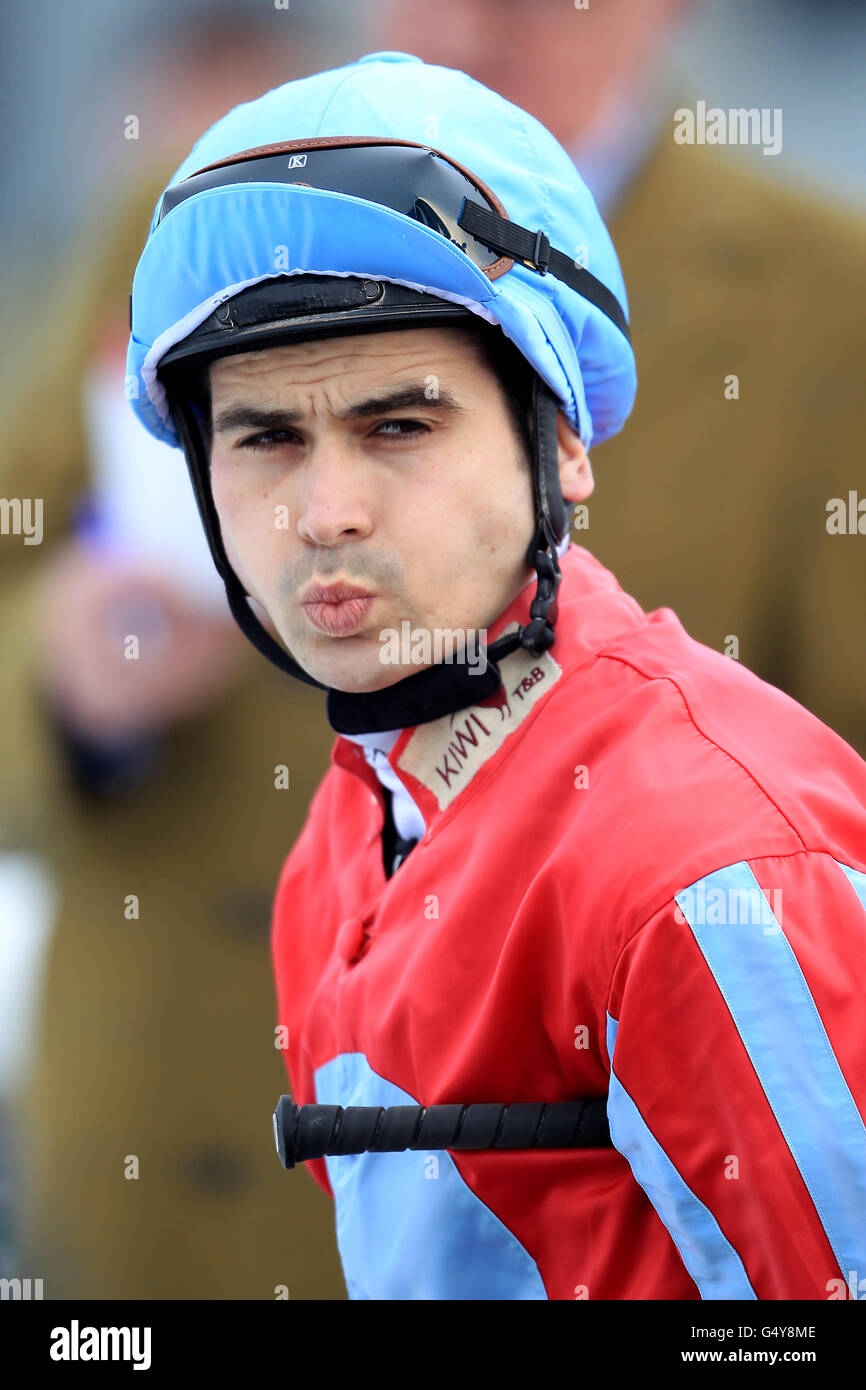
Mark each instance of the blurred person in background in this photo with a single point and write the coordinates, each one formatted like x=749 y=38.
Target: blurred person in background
x=717 y=500
x=144 y=795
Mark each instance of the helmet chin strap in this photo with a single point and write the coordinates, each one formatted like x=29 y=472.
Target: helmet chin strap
x=551 y=522
x=445 y=688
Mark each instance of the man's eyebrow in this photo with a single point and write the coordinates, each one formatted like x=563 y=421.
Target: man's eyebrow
x=410 y=396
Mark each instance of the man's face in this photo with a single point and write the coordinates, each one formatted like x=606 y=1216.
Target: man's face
x=320 y=474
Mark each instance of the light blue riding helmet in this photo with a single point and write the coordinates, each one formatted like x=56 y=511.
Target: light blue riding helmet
x=388 y=172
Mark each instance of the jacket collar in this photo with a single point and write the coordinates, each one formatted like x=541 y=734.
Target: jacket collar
x=437 y=761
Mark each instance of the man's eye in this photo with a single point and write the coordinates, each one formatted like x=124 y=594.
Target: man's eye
x=417 y=427
x=268 y=439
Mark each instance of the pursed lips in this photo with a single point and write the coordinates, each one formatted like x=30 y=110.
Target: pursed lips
x=336 y=609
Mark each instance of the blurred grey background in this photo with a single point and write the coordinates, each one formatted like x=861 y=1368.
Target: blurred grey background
x=70 y=74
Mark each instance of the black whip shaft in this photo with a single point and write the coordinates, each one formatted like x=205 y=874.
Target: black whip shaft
x=312 y=1131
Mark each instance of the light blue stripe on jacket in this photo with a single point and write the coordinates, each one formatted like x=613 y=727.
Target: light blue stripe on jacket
x=776 y=1016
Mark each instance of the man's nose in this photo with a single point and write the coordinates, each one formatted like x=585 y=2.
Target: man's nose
x=335 y=501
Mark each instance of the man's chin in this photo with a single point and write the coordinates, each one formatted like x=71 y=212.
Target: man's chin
x=343 y=670
x=365 y=683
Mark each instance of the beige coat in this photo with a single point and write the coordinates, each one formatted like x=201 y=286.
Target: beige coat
x=717 y=507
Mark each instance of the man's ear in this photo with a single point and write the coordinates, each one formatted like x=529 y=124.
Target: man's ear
x=575 y=470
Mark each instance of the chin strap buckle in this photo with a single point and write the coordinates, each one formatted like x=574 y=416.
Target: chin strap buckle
x=538 y=634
